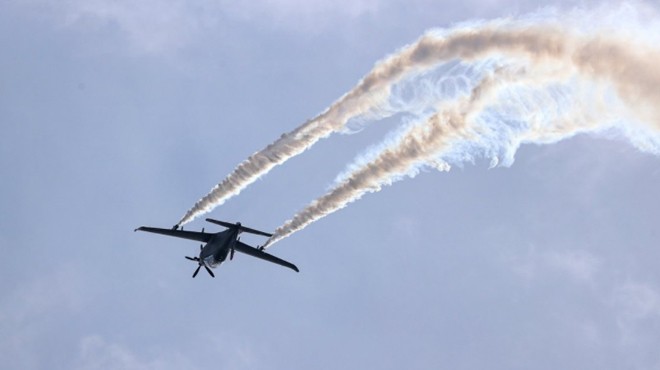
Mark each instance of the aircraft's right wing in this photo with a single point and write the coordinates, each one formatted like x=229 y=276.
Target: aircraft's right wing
x=191 y=235
x=254 y=252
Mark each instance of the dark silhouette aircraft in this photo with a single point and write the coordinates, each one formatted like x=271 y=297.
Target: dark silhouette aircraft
x=220 y=245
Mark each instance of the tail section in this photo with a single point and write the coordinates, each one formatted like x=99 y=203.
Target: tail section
x=240 y=227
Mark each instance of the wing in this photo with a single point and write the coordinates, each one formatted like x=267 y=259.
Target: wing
x=192 y=235
x=254 y=252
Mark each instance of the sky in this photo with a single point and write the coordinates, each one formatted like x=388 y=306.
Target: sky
x=117 y=114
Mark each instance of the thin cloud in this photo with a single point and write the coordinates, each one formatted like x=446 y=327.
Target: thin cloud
x=161 y=27
x=151 y=27
x=97 y=353
x=637 y=301
x=578 y=264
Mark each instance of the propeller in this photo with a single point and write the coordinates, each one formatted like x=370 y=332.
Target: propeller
x=208 y=270
x=201 y=263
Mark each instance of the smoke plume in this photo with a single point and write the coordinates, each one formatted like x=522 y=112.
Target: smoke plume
x=610 y=62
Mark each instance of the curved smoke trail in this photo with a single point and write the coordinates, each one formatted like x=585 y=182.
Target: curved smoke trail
x=509 y=107
x=417 y=145
x=629 y=64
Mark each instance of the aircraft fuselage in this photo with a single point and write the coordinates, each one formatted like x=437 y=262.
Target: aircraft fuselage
x=218 y=248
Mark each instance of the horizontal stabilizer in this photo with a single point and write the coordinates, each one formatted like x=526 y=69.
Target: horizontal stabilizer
x=241 y=227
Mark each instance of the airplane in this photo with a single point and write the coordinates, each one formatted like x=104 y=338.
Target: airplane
x=220 y=245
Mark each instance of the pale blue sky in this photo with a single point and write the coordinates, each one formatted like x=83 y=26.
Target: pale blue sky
x=117 y=115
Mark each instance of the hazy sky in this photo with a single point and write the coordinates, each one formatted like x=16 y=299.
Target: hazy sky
x=117 y=114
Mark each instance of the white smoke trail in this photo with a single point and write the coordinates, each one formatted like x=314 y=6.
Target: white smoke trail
x=504 y=110
x=629 y=64
x=418 y=144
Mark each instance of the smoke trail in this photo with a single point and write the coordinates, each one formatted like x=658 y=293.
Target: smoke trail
x=501 y=113
x=628 y=64
x=418 y=144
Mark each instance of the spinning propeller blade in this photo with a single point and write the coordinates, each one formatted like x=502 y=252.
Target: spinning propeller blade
x=196 y=271
x=209 y=270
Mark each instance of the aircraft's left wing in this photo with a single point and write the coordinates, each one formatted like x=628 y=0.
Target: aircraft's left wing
x=191 y=235
x=254 y=252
